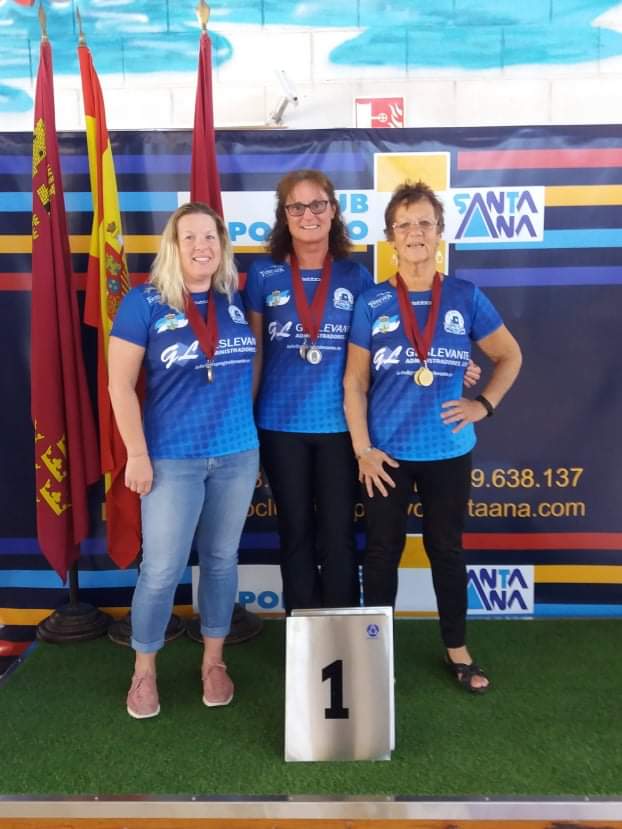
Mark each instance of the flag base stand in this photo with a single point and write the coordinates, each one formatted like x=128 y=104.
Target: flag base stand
x=73 y=622
x=244 y=626
x=120 y=631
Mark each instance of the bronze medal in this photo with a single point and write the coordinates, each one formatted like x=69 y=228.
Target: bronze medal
x=206 y=333
x=314 y=355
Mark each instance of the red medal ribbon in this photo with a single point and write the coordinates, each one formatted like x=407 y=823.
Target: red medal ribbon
x=310 y=316
x=421 y=342
x=207 y=334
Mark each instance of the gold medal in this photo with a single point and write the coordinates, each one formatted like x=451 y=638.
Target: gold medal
x=210 y=372
x=314 y=355
x=423 y=376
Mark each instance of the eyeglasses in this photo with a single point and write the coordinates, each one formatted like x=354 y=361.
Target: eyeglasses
x=298 y=208
x=425 y=226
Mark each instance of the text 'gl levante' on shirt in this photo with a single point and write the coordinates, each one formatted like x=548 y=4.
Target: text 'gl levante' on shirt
x=404 y=418
x=184 y=415
x=294 y=395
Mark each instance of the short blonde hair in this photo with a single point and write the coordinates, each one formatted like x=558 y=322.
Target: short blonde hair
x=166 y=274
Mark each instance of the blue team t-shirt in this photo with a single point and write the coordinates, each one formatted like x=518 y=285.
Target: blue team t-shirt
x=404 y=419
x=294 y=395
x=184 y=415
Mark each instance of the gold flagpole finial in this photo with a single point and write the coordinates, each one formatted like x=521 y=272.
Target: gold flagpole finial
x=81 y=38
x=42 y=21
x=203 y=15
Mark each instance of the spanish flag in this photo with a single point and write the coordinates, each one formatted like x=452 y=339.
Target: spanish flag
x=65 y=438
x=107 y=283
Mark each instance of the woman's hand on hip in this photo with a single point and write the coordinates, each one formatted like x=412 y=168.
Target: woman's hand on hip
x=139 y=474
x=462 y=412
x=372 y=472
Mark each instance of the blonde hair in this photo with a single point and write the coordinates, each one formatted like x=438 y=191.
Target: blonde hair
x=166 y=274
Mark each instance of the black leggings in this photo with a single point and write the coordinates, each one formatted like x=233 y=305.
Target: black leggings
x=443 y=487
x=314 y=484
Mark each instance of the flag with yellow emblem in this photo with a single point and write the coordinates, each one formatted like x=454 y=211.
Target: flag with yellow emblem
x=107 y=283
x=65 y=438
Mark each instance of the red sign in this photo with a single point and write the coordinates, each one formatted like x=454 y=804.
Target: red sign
x=379 y=112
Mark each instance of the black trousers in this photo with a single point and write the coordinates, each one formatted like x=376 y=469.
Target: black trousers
x=443 y=487
x=314 y=483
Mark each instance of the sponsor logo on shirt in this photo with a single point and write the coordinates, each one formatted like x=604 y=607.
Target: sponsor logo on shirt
x=151 y=295
x=237 y=315
x=179 y=353
x=385 y=357
x=385 y=324
x=273 y=270
x=343 y=299
x=170 y=322
x=454 y=322
x=277 y=298
x=278 y=331
x=380 y=299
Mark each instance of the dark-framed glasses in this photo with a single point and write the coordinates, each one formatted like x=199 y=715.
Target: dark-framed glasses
x=424 y=225
x=298 y=208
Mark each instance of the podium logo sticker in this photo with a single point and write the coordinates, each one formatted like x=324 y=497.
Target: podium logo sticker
x=500 y=590
x=373 y=631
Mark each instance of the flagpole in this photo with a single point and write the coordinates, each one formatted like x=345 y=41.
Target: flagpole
x=59 y=495
x=205 y=186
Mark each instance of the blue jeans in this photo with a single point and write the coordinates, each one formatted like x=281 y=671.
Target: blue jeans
x=205 y=500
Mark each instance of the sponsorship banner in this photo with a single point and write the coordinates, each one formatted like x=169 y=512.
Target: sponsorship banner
x=533 y=217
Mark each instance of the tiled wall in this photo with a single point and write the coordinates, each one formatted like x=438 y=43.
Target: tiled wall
x=456 y=62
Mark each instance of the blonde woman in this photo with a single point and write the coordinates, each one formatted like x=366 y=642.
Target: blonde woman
x=192 y=455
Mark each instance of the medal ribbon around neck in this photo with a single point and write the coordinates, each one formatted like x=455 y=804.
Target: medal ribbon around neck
x=310 y=316
x=421 y=341
x=206 y=333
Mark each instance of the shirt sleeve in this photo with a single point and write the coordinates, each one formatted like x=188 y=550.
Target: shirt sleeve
x=486 y=318
x=360 y=330
x=133 y=318
x=367 y=280
x=253 y=292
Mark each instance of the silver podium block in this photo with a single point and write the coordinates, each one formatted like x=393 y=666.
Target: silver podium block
x=339 y=684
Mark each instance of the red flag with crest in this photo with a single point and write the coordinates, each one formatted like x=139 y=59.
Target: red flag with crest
x=66 y=459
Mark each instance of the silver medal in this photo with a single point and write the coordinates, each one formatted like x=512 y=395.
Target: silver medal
x=314 y=355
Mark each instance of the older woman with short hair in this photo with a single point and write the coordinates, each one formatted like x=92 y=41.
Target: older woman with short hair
x=193 y=457
x=410 y=344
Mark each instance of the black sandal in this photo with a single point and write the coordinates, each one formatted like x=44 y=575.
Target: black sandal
x=465 y=673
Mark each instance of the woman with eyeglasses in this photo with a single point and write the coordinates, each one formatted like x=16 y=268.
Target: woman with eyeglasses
x=410 y=343
x=300 y=300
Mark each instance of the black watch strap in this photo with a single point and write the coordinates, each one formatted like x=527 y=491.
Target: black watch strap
x=490 y=409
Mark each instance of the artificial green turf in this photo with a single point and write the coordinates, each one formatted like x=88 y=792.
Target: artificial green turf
x=552 y=725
